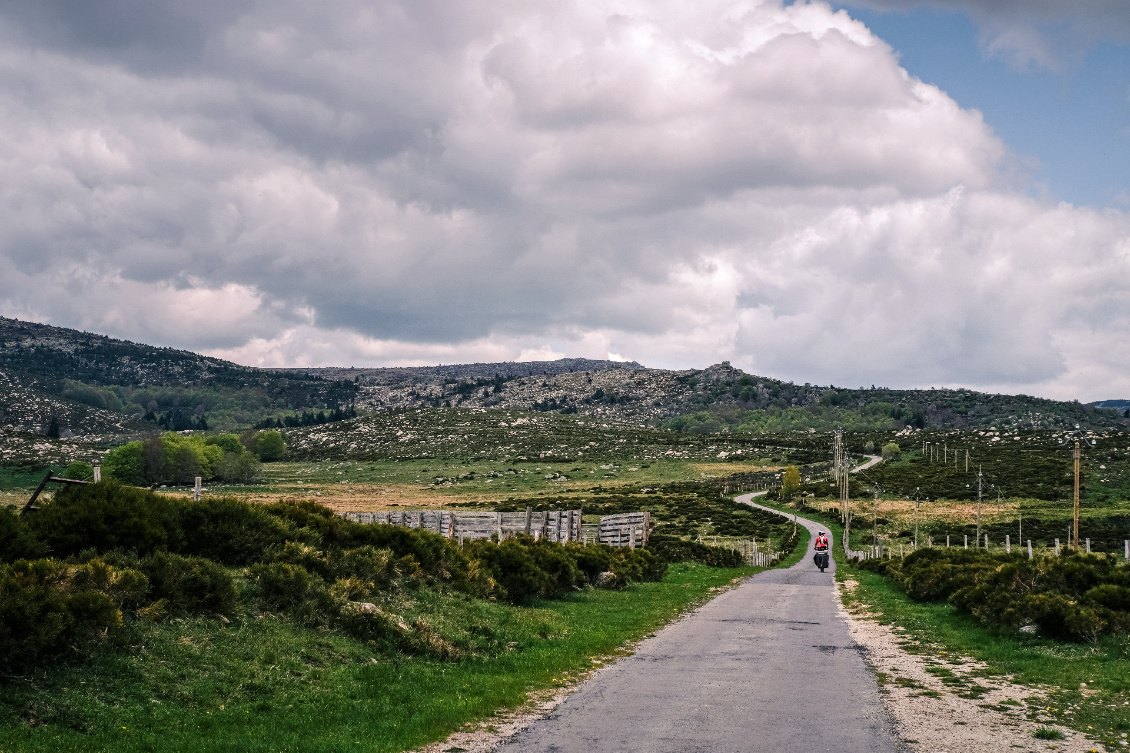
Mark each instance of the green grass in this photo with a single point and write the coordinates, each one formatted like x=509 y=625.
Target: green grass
x=265 y=685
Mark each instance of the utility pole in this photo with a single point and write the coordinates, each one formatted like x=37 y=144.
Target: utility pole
x=978 y=539
x=1078 y=456
x=916 y=518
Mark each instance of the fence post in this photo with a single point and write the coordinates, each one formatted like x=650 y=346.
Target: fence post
x=196 y=490
x=967 y=541
x=1057 y=547
x=1007 y=544
x=1088 y=546
x=1126 y=549
x=986 y=542
x=97 y=471
x=1029 y=548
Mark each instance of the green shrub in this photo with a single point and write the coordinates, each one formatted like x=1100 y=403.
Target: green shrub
x=283 y=585
x=43 y=611
x=238 y=467
x=107 y=516
x=79 y=471
x=372 y=565
x=190 y=585
x=304 y=555
x=16 y=539
x=514 y=569
x=231 y=531
x=672 y=549
x=1077 y=597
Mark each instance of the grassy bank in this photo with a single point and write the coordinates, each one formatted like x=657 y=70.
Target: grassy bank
x=265 y=685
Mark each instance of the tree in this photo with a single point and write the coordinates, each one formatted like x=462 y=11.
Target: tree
x=790 y=482
x=126 y=464
x=269 y=445
x=156 y=458
x=890 y=451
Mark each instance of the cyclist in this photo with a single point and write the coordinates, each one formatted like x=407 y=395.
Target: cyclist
x=821 y=546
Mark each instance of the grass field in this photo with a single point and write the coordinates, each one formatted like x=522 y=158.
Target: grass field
x=260 y=684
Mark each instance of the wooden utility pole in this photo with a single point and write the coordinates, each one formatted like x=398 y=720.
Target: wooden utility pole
x=977 y=541
x=1078 y=455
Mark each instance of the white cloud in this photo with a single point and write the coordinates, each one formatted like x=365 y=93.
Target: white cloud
x=405 y=183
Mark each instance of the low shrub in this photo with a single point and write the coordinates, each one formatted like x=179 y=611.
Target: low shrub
x=190 y=585
x=107 y=516
x=16 y=540
x=230 y=531
x=672 y=549
x=1077 y=597
x=47 y=606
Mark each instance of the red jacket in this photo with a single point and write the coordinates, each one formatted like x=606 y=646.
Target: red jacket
x=821 y=542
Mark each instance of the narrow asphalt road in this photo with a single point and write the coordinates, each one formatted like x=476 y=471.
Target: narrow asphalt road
x=768 y=666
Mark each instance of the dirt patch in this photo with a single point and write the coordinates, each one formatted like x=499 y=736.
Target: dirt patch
x=943 y=702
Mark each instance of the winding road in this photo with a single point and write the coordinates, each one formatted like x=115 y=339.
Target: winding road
x=767 y=666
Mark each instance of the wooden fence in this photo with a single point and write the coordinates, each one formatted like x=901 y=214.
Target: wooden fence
x=558 y=526
x=751 y=551
x=626 y=529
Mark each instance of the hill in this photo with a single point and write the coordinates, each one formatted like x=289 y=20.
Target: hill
x=91 y=384
x=718 y=398
x=61 y=381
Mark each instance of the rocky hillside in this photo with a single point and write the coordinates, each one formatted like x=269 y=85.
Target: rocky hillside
x=717 y=398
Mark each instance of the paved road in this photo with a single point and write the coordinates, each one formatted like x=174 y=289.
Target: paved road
x=768 y=666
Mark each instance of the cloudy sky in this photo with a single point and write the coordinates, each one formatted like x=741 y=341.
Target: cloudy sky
x=888 y=192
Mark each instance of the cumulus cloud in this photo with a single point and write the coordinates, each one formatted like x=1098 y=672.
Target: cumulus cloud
x=392 y=182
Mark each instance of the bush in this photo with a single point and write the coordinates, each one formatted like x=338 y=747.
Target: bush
x=43 y=610
x=890 y=451
x=190 y=585
x=79 y=471
x=1077 y=597
x=286 y=586
x=671 y=549
x=238 y=468
x=16 y=539
x=514 y=570
x=231 y=531
x=269 y=446
x=106 y=516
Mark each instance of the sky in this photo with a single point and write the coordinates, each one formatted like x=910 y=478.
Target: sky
x=889 y=192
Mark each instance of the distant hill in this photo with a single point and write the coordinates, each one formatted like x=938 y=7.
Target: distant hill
x=1120 y=405
x=718 y=398
x=92 y=384
x=61 y=381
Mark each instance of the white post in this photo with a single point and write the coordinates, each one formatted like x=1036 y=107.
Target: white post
x=986 y=542
x=900 y=550
x=97 y=471
x=1029 y=548
x=967 y=541
x=947 y=541
x=1007 y=544
x=1088 y=546
x=1126 y=548
x=196 y=490
x=1057 y=547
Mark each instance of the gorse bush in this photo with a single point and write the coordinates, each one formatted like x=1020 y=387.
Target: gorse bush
x=47 y=606
x=671 y=549
x=1077 y=597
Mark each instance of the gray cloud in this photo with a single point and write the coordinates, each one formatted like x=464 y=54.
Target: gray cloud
x=403 y=182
